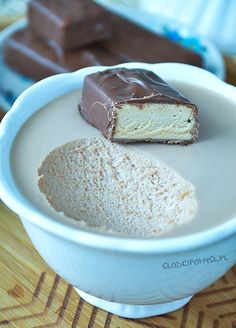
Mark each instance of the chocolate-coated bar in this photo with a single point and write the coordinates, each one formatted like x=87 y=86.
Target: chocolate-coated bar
x=134 y=43
x=130 y=105
x=129 y=43
x=25 y=52
x=71 y=23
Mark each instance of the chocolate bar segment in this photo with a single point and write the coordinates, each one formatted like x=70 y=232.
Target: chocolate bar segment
x=134 y=43
x=130 y=105
x=29 y=55
x=71 y=23
x=129 y=43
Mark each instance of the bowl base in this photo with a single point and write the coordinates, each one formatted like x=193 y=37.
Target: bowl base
x=133 y=311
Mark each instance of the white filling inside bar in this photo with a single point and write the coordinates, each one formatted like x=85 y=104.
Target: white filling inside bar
x=154 y=121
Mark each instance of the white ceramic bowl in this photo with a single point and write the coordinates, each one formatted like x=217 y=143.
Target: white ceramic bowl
x=130 y=277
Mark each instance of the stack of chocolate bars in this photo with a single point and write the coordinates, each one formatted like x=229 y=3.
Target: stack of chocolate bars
x=65 y=35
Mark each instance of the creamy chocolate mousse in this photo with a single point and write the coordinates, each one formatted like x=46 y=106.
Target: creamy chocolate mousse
x=112 y=186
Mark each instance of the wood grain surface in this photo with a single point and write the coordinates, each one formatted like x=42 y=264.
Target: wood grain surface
x=32 y=295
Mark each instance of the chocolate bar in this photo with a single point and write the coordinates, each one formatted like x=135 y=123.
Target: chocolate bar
x=134 y=43
x=130 y=105
x=44 y=59
x=129 y=43
x=71 y=23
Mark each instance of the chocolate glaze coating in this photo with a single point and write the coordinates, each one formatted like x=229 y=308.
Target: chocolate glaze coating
x=128 y=43
x=71 y=23
x=102 y=91
x=44 y=59
x=134 y=43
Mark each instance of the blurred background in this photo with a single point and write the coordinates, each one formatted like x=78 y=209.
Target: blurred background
x=214 y=20
x=193 y=23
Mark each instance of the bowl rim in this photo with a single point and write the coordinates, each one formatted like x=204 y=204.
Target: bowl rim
x=10 y=195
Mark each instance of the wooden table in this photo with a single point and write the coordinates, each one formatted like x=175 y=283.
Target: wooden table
x=32 y=295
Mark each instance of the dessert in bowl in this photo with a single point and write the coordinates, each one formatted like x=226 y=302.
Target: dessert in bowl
x=126 y=275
